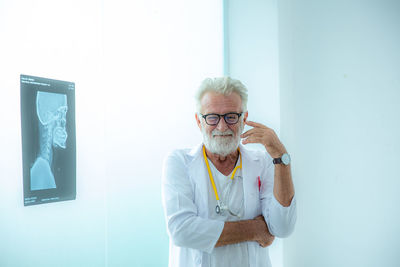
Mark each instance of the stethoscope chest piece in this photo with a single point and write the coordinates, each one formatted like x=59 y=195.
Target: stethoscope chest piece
x=217 y=209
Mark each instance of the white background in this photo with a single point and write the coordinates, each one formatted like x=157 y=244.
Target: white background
x=340 y=92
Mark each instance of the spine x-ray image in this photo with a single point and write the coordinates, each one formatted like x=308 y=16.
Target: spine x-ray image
x=48 y=140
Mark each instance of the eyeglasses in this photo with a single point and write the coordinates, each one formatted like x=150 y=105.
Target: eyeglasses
x=230 y=118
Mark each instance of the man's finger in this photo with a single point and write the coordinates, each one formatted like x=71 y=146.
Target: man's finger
x=247 y=133
x=255 y=124
x=252 y=140
x=254 y=131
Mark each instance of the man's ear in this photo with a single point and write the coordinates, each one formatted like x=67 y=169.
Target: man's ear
x=198 y=120
x=246 y=114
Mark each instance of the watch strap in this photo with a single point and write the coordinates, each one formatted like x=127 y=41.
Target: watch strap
x=277 y=161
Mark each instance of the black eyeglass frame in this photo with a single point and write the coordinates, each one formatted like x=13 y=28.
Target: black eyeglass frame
x=219 y=117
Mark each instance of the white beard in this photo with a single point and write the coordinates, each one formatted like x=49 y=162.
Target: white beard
x=222 y=145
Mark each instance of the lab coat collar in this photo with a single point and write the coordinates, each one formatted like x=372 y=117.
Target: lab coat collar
x=196 y=150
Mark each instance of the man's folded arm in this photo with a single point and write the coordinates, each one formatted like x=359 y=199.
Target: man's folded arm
x=246 y=230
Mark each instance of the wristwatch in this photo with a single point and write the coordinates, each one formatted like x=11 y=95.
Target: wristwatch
x=284 y=159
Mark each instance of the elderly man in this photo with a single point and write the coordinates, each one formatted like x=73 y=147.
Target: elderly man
x=223 y=203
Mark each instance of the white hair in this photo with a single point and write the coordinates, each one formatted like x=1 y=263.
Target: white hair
x=224 y=86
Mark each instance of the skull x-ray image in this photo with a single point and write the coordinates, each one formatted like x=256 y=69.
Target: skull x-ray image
x=48 y=140
x=51 y=109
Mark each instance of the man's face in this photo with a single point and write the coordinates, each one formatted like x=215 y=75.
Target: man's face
x=221 y=139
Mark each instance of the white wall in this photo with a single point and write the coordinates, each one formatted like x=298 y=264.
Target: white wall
x=251 y=55
x=157 y=54
x=252 y=44
x=59 y=40
x=136 y=65
x=340 y=83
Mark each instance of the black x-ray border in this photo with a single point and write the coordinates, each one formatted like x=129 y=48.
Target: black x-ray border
x=64 y=160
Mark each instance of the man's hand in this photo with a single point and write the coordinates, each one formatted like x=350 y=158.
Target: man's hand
x=263 y=135
x=246 y=230
x=264 y=237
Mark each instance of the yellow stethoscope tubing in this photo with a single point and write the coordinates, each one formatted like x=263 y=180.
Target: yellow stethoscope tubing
x=210 y=174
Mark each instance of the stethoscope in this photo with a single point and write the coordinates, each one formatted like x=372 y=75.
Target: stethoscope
x=220 y=207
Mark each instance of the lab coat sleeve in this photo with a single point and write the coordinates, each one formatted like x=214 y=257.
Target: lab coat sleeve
x=280 y=220
x=185 y=228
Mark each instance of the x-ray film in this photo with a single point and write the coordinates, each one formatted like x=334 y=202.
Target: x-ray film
x=48 y=140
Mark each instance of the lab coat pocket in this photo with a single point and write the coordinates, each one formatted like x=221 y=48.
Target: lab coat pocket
x=198 y=201
x=257 y=205
x=195 y=197
x=253 y=206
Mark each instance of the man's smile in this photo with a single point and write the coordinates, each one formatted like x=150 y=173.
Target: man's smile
x=225 y=135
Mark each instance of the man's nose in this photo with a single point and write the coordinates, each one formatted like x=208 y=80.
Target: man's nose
x=222 y=126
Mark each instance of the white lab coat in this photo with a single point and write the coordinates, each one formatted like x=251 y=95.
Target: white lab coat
x=185 y=200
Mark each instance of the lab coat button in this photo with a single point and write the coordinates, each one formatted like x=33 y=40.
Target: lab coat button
x=198 y=261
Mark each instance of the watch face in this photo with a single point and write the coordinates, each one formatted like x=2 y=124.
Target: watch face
x=285 y=159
